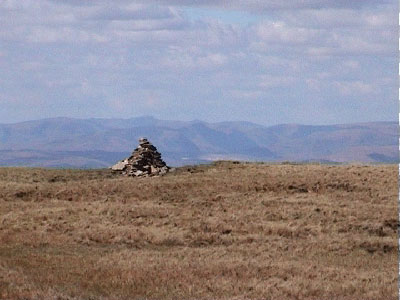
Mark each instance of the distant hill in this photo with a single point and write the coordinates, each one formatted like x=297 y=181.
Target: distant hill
x=96 y=143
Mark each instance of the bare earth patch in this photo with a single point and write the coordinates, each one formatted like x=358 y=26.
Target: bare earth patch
x=224 y=231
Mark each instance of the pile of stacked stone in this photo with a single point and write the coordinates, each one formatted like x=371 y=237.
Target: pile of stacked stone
x=145 y=161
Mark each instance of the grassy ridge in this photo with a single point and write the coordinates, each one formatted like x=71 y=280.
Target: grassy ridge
x=220 y=231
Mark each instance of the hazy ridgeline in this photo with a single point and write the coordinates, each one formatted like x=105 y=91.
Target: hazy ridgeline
x=99 y=143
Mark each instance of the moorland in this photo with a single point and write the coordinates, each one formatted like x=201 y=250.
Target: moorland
x=227 y=230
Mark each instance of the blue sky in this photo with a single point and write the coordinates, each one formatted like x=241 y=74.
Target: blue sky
x=269 y=62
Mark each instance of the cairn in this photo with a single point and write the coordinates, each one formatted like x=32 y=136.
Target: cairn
x=145 y=161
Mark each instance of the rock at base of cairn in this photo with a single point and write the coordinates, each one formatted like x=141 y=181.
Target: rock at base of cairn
x=145 y=161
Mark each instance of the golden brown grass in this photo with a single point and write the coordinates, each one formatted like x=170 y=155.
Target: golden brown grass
x=225 y=231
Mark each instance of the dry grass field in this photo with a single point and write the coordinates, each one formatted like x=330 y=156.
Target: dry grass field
x=223 y=231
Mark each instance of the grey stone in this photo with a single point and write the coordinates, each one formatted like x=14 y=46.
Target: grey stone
x=120 y=166
x=144 y=161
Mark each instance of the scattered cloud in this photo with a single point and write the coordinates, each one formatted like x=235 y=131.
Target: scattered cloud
x=246 y=94
x=269 y=81
x=268 y=5
x=354 y=87
x=136 y=56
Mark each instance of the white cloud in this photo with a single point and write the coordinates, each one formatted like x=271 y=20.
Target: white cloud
x=100 y=53
x=43 y=34
x=268 y=5
x=354 y=87
x=133 y=11
x=246 y=94
x=281 y=33
x=342 y=18
x=351 y=65
x=270 y=81
x=284 y=37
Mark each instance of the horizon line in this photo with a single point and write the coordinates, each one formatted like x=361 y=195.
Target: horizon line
x=194 y=121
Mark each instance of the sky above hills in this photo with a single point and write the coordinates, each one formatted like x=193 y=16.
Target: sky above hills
x=269 y=62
